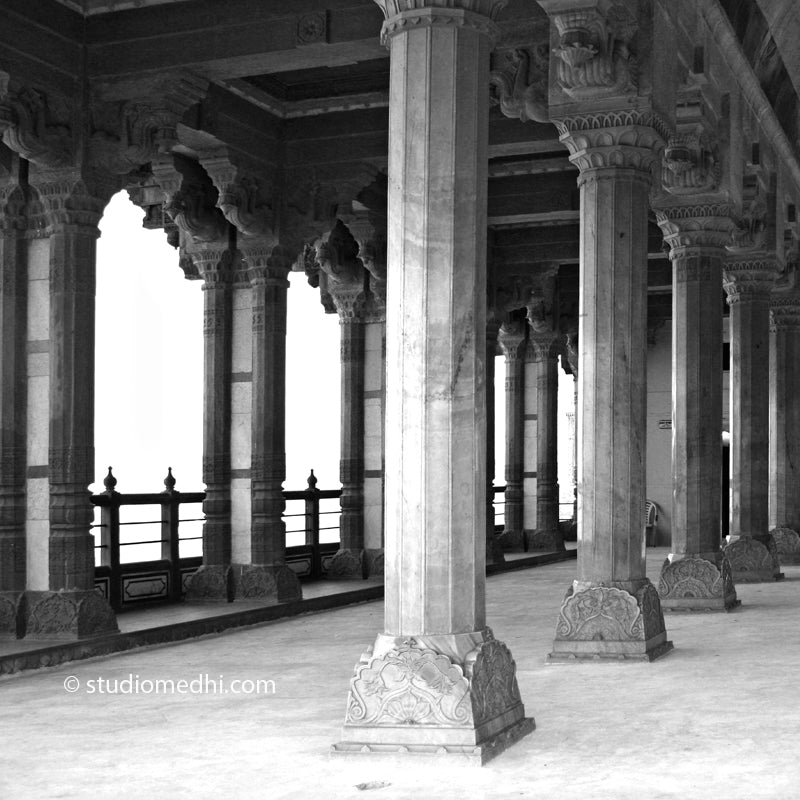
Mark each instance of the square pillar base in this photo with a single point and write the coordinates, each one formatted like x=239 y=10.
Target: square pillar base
x=375 y=562
x=753 y=559
x=544 y=540
x=273 y=584
x=211 y=583
x=694 y=583
x=347 y=565
x=787 y=542
x=444 y=695
x=67 y=615
x=510 y=540
x=607 y=622
x=12 y=615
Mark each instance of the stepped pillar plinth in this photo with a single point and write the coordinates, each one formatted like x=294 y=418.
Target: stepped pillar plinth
x=435 y=681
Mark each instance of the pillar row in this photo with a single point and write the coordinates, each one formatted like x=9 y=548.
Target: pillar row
x=784 y=426
x=467 y=703
x=748 y=281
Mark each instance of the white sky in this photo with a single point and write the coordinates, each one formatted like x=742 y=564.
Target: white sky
x=149 y=375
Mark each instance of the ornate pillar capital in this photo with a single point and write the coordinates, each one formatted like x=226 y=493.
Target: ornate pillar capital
x=265 y=263
x=785 y=311
x=542 y=345
x=511 y=338
x=750 y=278
x=690 y=225
x=402 y=15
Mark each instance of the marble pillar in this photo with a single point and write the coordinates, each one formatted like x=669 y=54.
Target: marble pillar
x=751 y=550
x=784 y=426
x=350 y=300
x=267 y=576
x=70 y=608
x=214 y=579
x=13 y=378
x=612 y=610
x=546 y=535
x=530 y=452
x=696 y=575
x=513 y=343
x=436 y=681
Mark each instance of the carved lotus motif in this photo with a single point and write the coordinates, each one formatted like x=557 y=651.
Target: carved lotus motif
x=576 y=54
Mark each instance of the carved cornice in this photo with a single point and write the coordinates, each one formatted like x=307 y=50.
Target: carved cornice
x=245 y=192
x=690 y=165
x=519 y=94
x=695 y=226
x=402 y=15
x=190 y=199
x=593 y=59
x=28 y=127
x=623 y=139
x=750 y=279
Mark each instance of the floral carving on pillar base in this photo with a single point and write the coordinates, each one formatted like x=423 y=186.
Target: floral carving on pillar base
x=608 y=622
x=210 y=582
x=11 y=615
x=346 y=565
x=787 y=543
x=544 y=540
x=754 y=559
x=419 y=696
x=67 y=615
x=697 y=584
x=276 y=584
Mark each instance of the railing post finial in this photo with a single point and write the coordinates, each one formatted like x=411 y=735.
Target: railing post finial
x=169 y=481
x=312 y=480
x=109 y=482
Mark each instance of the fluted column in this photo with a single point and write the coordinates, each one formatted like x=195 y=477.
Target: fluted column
x=513 y=344
x=612 y=609
x=435 y=623
x=73 y=204
x=349 y=298
x=748 y=281
x=784 y=426
x=546 y=536
x=214 y=581
x=13 y=377
x=696 y=575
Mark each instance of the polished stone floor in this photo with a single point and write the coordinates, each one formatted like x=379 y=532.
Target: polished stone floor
x=717 y=717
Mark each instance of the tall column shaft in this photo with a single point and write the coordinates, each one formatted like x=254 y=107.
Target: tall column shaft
x=613 y=609
x=696 y=576
x=13 y=379
x=784 y=426
x=494 y=552
x=436 y=408
x=751 y=550
x=530 y=454
x=547 y=535
x=513 y=343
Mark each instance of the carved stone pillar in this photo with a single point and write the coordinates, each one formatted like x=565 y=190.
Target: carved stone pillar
x=530 y=454
x=436 y=681
x=546 y=536
x=73 y=204
x=267 y=576
x=349 y=298
x=784 y=426
x=494 y=550
x=751 y=550
x=612 y=609
x=697 y=575
x=513 y=344
x=214 y=580
x=13 y=378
